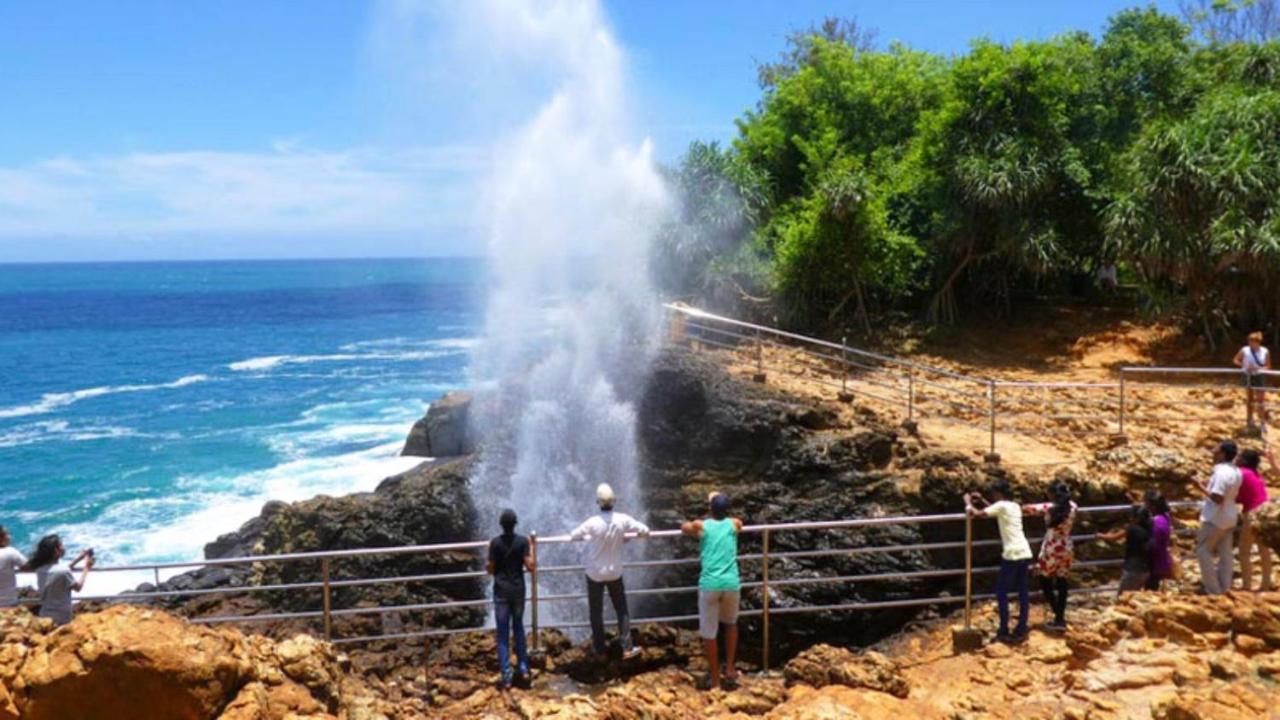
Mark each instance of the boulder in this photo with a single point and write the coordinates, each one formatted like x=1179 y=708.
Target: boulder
x=823 y=665
x=1266 y=525
x=127 y=662
x=445 y=431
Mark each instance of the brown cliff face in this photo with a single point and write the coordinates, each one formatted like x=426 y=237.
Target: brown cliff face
x=135 y=663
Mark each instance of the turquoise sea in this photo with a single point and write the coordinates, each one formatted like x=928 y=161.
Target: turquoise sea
x=146 y=408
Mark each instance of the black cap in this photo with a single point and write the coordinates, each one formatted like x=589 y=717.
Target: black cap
x=508 y=518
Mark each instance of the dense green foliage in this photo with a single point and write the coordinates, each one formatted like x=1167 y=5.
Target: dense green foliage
x=867 y=180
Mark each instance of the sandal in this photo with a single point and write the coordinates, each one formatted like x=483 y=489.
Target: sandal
x=729 y=683
x=704 y=683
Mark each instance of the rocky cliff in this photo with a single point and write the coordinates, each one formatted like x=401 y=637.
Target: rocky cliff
x=1148 y=655
x=782 y=458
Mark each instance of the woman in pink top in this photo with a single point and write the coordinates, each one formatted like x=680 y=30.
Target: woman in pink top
x=1252 y=495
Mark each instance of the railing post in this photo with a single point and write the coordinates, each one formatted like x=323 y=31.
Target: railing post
x=328 y=620
x=533 y=591
x=156 y=570
x=1248 y=399
x=844 y=366
x=1122 y=399
x=968 y=570
x=911 y=394
x=764 y=561
x=991 y=396
x=759 y=377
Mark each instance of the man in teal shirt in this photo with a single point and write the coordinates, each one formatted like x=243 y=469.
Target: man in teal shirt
x=719 y=585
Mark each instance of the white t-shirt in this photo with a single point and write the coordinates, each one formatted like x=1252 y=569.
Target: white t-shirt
x=1008 y=515
x=1225 y=481
x=55 y=583
x=1252 y=362
x=10 y=561
x=604 y=535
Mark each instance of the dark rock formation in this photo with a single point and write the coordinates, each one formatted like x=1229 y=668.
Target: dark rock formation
x=444 y=431
x=426 y=505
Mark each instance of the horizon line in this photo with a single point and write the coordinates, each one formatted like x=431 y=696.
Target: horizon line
x=174 y=261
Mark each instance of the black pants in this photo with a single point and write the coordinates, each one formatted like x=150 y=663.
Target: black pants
x=1055 y=593
x=595 y=603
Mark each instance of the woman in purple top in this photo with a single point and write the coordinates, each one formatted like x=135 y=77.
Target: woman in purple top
x=1161 y=536
x=1252 y=495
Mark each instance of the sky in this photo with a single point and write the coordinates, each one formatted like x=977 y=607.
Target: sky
x=149 y=130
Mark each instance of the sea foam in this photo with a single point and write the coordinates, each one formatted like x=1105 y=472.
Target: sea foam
x=50 y=402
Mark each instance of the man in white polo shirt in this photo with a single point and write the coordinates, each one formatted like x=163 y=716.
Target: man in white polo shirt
x=10 y=560
x=1215 y=541
x=605 y=534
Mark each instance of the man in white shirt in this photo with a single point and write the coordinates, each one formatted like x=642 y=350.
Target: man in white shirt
x=605 y=534
x=1215 y=541
x=1015 y=557
x=10 y=561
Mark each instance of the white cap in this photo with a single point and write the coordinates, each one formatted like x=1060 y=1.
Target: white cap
x=604 y=495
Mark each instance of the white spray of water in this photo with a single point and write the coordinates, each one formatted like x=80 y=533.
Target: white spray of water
x=567 y=210
x=572 y=321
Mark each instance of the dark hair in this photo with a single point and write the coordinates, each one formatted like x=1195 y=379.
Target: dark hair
x=1156 y=502
x=1061 y=509
x=4 y=532
x=1001 y=488
x=46 y=553
x=1228 y=449
x=1249 y=459
x=508 y=521
x=1141 y=517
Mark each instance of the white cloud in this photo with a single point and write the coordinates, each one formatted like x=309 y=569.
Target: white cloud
x=288 y=190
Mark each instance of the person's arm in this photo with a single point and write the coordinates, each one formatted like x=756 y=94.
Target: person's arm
x=78 y=585
x=1112 y=535
x=737 y=526
x=581 y=532
x=639 y=528
x=692 y=527
x=1214 y=489
x=1239 y=358
x=492 y=563
x=86 y=553
x=972 y=502
x=529 y=563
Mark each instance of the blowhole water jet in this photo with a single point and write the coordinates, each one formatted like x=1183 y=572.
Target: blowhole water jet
x=572 y=322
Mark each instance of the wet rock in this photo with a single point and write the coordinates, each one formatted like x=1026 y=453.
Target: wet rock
x=445 y=431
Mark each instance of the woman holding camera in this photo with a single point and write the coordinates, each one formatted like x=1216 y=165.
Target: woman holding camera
x=56 y=581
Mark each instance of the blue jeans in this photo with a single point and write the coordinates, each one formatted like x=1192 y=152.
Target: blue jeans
x=508 y=616
x=1013 y=576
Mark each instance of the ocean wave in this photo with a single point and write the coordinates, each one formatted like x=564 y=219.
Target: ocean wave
x=451 y=343
x=54 y=401
x=272 y=362
x=175 y=528
x=63 y=431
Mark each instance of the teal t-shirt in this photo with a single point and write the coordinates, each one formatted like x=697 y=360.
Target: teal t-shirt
x=719 y=549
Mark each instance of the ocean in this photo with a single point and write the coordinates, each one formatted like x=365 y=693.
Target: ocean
x=146 y=408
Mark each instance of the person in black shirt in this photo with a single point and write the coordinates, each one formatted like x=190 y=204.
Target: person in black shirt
x=508 y=559
x=1137 y=548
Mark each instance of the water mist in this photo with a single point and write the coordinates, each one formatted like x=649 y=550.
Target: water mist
x=572 y=322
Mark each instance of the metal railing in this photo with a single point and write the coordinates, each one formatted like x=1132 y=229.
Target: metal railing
x=765 y=582
x=1137 y=397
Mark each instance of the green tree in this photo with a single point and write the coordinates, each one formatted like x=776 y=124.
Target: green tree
x=1201 y=210
x=706 y=250
x=1016 y=157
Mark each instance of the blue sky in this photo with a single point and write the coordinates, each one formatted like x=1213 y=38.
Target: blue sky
x=155 y=130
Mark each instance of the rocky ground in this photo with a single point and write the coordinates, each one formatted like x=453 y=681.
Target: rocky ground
x=1148 y=655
